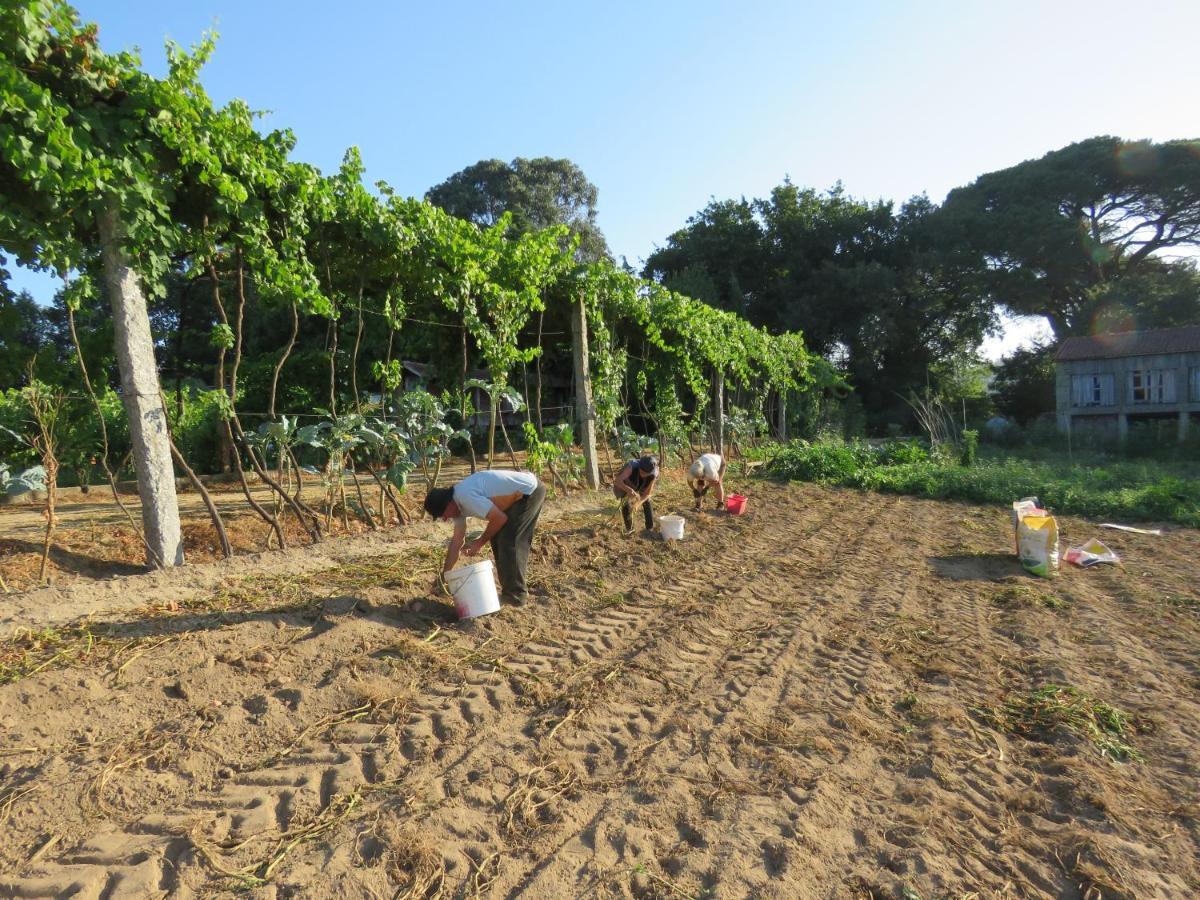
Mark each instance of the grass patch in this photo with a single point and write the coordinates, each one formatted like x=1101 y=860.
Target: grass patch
x=610 y=600
x=1023 y=595
x=1051 y=708
x=1182 y=601
x=1095 y=486
x=29 y=652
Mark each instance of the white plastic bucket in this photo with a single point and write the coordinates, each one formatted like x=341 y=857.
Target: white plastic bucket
x=474 y=589
x=672 y=527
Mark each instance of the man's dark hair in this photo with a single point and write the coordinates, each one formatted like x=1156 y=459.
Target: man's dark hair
x=437 y=500
x=648 y=465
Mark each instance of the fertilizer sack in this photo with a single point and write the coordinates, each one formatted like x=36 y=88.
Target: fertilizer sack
x=1027 y=506
x=1037 y=539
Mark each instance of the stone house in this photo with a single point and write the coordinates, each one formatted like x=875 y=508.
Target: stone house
x=1110 y=381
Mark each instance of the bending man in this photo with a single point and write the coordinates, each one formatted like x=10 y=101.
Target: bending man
x=635 y=484
x=510 y=503
x=707 y=471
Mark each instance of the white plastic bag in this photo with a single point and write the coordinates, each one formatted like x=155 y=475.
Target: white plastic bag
x=1090 y=554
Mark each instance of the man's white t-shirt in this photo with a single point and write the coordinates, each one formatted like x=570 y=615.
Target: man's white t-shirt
x=475 y=492
x=710 y=466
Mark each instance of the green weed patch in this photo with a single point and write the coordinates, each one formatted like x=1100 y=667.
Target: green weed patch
x=1021 y=595
x=29 y=652
x=1051 y=708
x=1102 y=488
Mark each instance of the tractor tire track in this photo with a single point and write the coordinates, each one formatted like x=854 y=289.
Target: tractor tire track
x=177 y=849
x=719 y=669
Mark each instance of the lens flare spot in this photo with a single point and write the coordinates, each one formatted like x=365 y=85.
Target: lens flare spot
x=1136 y=159
x=1112 y=318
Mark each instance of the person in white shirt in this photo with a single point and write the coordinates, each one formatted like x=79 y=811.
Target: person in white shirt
x=510 y=503
x=707 y=471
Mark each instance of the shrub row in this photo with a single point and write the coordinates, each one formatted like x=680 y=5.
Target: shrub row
x=1140 y=491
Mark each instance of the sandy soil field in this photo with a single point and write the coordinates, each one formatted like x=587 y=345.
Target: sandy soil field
x=837 y=694
x=94 y=540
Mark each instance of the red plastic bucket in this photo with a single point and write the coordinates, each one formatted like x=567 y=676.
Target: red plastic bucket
x=736 y=504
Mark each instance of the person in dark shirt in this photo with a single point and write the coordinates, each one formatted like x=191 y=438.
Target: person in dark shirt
x=634 y=485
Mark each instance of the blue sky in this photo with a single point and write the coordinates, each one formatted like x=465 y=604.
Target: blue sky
x=666 y=105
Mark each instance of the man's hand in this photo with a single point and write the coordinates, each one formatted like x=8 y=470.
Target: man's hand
x=473 y=548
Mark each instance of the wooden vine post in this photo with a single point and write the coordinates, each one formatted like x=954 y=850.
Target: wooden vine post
x=141 y=395
x=719 y=421
x=583 y=392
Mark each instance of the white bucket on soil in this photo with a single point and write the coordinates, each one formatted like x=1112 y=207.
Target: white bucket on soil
x=474 y=589
x=672 y=527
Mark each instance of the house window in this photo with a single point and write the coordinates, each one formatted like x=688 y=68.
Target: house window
x=1195 y=381
x=1093 y=390
x=1152 y=385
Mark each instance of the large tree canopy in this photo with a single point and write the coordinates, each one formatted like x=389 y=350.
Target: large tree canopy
x=718 y=257
x=885 y=293
x=537 y=193
x=23 y=331
x=1054 y=234
x=1023 y=385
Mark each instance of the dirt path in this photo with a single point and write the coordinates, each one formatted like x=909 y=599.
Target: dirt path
x=95 y=542
x=104 y=599
x=787 y=704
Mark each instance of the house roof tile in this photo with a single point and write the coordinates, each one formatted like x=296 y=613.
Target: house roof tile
x=1131 y=343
